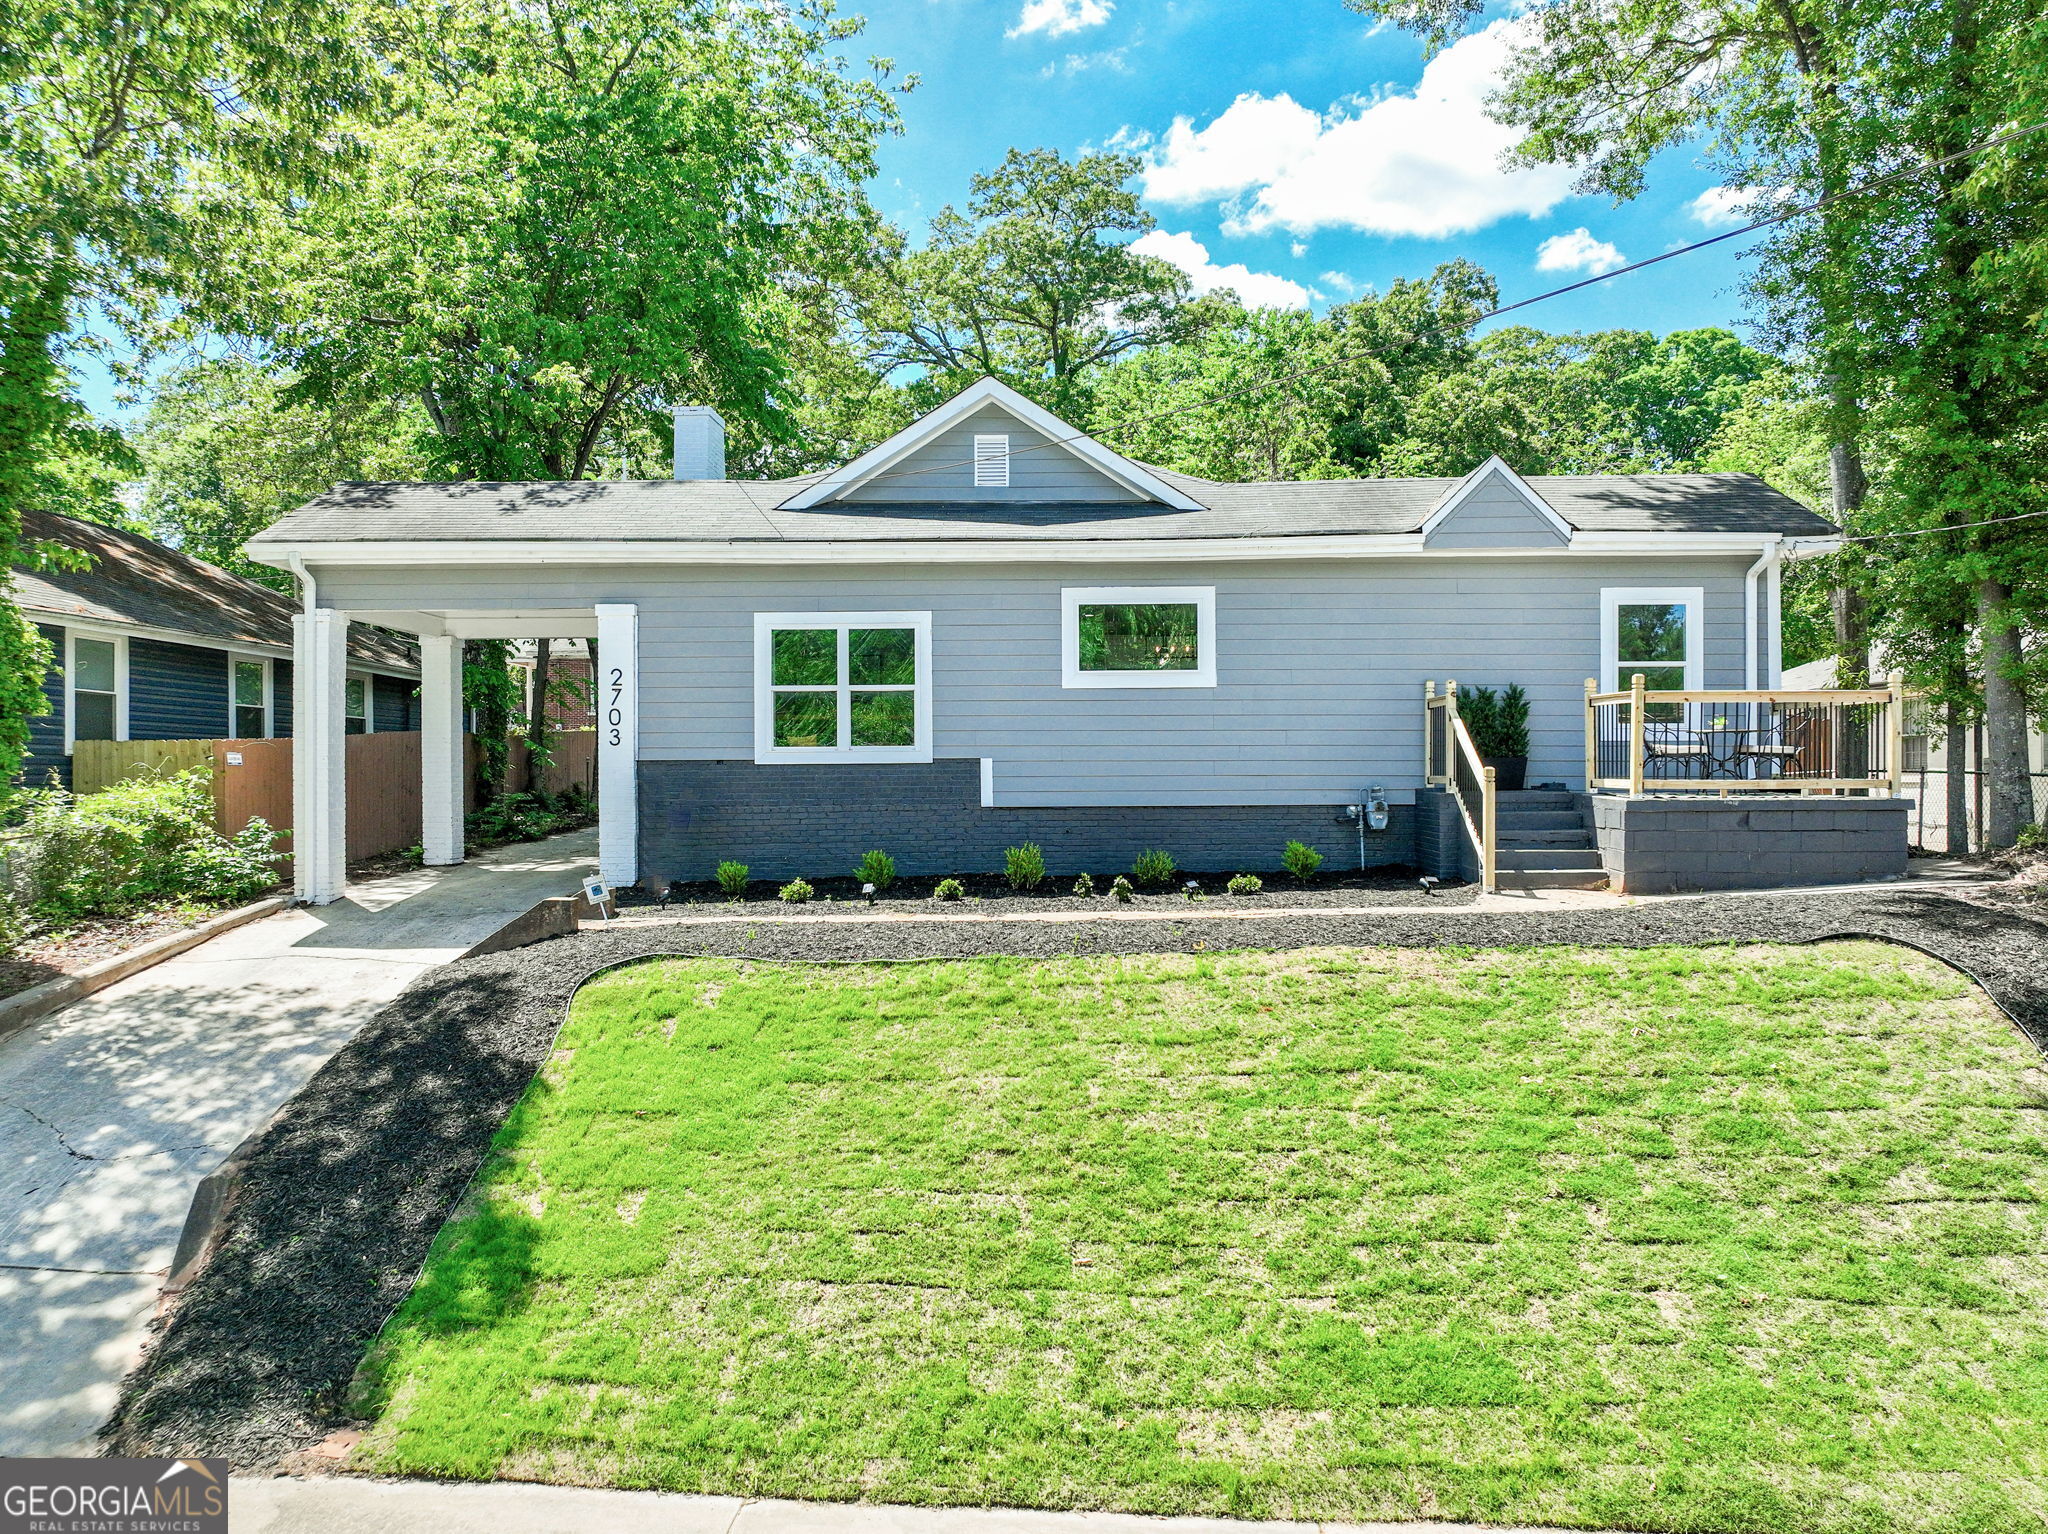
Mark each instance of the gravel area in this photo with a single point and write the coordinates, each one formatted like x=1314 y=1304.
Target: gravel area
x=989 y=895
x=350 y=1183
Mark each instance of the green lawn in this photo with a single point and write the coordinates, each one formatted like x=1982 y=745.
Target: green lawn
x=1678 y=1239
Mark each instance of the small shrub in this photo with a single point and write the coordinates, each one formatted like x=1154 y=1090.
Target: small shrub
x=1120 y=887
x=796 y=892
x=2032 y=838
x=949 y=889
x=876 y=868
x=1024 y=866
x=1301 y=860
x=1152 y=866
x=1245 y=884
x=732 y=878
x=1085 y=885
x=1499 y=721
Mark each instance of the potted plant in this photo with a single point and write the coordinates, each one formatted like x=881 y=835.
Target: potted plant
x=1499 y=722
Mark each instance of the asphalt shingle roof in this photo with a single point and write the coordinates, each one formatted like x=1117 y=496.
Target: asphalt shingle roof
x=750 y=510
x=138 y=581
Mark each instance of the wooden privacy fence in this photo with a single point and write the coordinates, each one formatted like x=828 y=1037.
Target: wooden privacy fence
x=253 y=778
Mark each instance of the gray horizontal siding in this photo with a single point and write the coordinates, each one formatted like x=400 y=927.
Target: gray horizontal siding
x=1495 y=516
x=176 y=692
x=943 y=469
x=1320 y=665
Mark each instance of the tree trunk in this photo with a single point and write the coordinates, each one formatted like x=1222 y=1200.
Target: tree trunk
x=2010 y=804
x=1955 y=754
x=1848 y=486
x=537 y=707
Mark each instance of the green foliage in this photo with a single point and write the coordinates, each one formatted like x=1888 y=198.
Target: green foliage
x=492 y=689
x=1024 y=866
x=1245 y=884
x=796 y=892
x=732 y=878
x=2033 y=837
x=526 y=817
x=25 y=659
x=1301 y=860
x=1499 y=721
x=876 y=868
x=145 y=842
x=1120 y=889
x=949 y=889
x=1085 y=885
x=1152 y=866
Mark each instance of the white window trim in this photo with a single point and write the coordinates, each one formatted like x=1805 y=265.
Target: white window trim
x=765 y=749
x=236 y=658
x=369 y=701
x=1072 y=599
x=120 y=644
x=1614 y=598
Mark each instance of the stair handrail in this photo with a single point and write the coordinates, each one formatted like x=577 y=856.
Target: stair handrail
x=1459 y=744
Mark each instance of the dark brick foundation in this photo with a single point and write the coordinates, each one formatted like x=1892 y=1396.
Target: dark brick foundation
x=816 y=821
x=1669 y=845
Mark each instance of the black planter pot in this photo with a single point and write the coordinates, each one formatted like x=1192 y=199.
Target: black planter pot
x=1508 y=772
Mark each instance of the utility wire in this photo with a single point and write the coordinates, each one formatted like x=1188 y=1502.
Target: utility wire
x=1921 y=532
x=2011 y=135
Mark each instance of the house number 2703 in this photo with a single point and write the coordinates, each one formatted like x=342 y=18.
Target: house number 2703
x=615 y=717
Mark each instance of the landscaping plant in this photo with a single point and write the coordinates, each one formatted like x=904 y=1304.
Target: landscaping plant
x=949 y=889
x=1024 y=866
x=1152 y=866
x=1120 y=887
x=1301 y=860
x=732 y=878
x=1499 y=721
x=1245 y=884
x=796 y=892
x=528 y=816
x=876 y=868
x=1085 y=885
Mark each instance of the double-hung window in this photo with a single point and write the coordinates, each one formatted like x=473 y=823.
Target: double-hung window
x=251 y=681
x=846 y=687
x=1138 y=636
x=1653 y=631
x=93 y=684
x=355 y=706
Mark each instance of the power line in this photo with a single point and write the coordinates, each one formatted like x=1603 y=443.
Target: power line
x=1920 y=532
x=1996 y=141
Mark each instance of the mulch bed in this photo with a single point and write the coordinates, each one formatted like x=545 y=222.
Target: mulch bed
x=53 y=955
x=349 y=1185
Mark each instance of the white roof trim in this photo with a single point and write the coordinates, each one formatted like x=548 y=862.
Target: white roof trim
x=1461 y=492
x=976 y=396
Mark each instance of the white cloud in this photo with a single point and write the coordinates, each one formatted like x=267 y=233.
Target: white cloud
x=1422 y=162
x=1112 y=59
x=1299 y=249
x=1338 y=282
x=1730 y=207
x=1578 y=252
x=1260 y=290
x=1056 y=18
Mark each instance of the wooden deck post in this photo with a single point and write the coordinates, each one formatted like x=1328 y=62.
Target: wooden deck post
x=1636 y=709
x=1592 y=735
x=1489 y=881
x=1895 y=730
x=1428 y=734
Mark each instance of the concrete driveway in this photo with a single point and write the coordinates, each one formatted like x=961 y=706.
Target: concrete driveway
x=112 y=1110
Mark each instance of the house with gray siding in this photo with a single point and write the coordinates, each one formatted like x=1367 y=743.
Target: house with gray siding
x=151 y=644
x=992 y=628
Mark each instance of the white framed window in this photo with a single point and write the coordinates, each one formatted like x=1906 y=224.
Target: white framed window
x=249 y=699
x=1138 y=636
x=842 y=687
x=95 y=687
x=992 y=459
x=358 y=705
x=1654 y=630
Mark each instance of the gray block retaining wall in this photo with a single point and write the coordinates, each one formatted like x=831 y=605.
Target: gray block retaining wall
x=1442 y=847
x=1667 y=845
x=783 y=821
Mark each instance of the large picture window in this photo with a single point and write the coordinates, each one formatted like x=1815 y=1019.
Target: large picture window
x=1138 y=636
x=1654 y=631
x=850 y=687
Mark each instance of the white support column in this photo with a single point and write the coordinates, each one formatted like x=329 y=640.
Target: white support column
x=319 y=755
x=441 y=757
x=618 y=743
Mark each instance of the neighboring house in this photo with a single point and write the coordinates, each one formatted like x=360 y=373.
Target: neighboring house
x=571 y=700
x=992 y=628
x=152 y=644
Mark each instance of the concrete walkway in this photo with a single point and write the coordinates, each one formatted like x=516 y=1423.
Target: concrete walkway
x=345 y=1505
x=112 y=1110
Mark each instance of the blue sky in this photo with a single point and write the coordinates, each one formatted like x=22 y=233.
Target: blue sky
x=1291 y=138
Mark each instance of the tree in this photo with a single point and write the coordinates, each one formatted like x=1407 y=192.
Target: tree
x=225 y=457
x=137 y=134
x=571 y=218
x=1031 y=285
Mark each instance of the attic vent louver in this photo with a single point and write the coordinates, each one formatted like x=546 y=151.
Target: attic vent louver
x=992 y=461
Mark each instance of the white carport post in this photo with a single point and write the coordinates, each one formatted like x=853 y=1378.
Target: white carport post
x=441 y=757
x=319 y=755
x=618 y=743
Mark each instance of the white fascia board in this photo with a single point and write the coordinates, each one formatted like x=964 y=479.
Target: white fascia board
x=976 y=396
x=1462 y=492
x=1809 y=548
x=426 y=555
x=106 y=628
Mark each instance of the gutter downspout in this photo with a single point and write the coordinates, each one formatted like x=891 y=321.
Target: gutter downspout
x=297 y=565
x=1768 y=560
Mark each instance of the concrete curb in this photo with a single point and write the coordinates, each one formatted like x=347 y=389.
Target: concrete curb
x=38 y=1002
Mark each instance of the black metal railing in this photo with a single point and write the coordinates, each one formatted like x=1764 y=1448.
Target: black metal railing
x=1746 y=740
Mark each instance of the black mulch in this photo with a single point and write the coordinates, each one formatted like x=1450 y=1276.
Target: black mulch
x=351 y=1182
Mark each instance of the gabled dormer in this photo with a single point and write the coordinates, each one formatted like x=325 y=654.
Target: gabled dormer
x=1493 y=507
x=990 y=444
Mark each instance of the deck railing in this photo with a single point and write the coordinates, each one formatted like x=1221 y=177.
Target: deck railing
x=1452 y=762
x=1826 y=741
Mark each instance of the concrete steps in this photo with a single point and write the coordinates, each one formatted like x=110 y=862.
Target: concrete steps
x=1544 y=843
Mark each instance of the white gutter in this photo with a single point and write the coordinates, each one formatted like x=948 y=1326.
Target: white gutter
x=297 y=565
x=1768 y=560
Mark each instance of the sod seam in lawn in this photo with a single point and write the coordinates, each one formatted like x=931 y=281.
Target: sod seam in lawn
x=1667 y=1238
